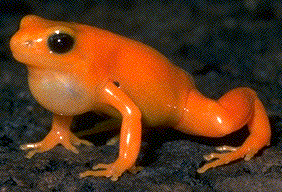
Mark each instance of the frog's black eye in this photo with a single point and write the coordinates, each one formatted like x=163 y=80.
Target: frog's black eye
x=60 y=43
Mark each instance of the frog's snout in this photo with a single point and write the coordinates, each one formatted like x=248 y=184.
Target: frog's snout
x=23 y=39
x=30 y=20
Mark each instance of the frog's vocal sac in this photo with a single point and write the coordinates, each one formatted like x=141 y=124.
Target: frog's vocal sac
x=75 y=68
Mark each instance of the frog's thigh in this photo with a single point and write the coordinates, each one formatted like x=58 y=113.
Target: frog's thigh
x=211 y=118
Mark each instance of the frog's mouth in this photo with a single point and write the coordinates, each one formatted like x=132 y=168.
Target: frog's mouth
x=21 y=48
x=28 y=51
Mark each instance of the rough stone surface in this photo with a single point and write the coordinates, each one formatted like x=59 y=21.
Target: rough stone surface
x=224 y=45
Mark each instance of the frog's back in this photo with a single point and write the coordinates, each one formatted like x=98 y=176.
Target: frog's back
x=154 y=84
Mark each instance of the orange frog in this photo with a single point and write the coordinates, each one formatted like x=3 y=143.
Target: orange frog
x=75 y=68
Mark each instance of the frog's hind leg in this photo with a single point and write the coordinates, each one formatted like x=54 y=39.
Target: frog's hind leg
x=259 y=130
x=237 y=108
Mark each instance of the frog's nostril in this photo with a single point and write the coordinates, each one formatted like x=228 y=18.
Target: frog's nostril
x=28 y=43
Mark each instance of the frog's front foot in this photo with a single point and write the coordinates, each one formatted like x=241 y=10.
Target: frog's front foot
x=108 y=170
x=55 y=137
x=113 y=170
x=233 y=154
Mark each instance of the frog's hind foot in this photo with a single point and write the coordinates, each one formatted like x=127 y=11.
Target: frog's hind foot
x=225 y=158
x=242 y=107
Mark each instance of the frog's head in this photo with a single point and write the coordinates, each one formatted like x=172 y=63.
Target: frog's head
x=46 y=44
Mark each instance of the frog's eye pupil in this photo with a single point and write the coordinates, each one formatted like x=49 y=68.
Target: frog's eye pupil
x=60 y=43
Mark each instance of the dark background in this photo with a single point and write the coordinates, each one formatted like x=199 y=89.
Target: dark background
x=223 y=44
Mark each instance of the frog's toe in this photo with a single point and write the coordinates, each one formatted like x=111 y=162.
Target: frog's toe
x=69 y=146
x=31 y=153
x=113 y=140
x=38 y=147
x=76 y=141
x=221 y=160
x=109 y=170
x=135 y=169
x=226 y=148
x=225 y=158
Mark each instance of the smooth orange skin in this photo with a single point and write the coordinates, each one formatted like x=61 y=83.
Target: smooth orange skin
x=151 y=88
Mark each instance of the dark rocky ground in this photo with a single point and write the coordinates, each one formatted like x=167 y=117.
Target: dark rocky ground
x=223 y=44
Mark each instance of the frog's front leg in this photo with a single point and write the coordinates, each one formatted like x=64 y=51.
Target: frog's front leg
x=60 y=134
x=130 y=135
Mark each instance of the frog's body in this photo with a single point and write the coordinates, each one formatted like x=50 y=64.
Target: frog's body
x=76 y=68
